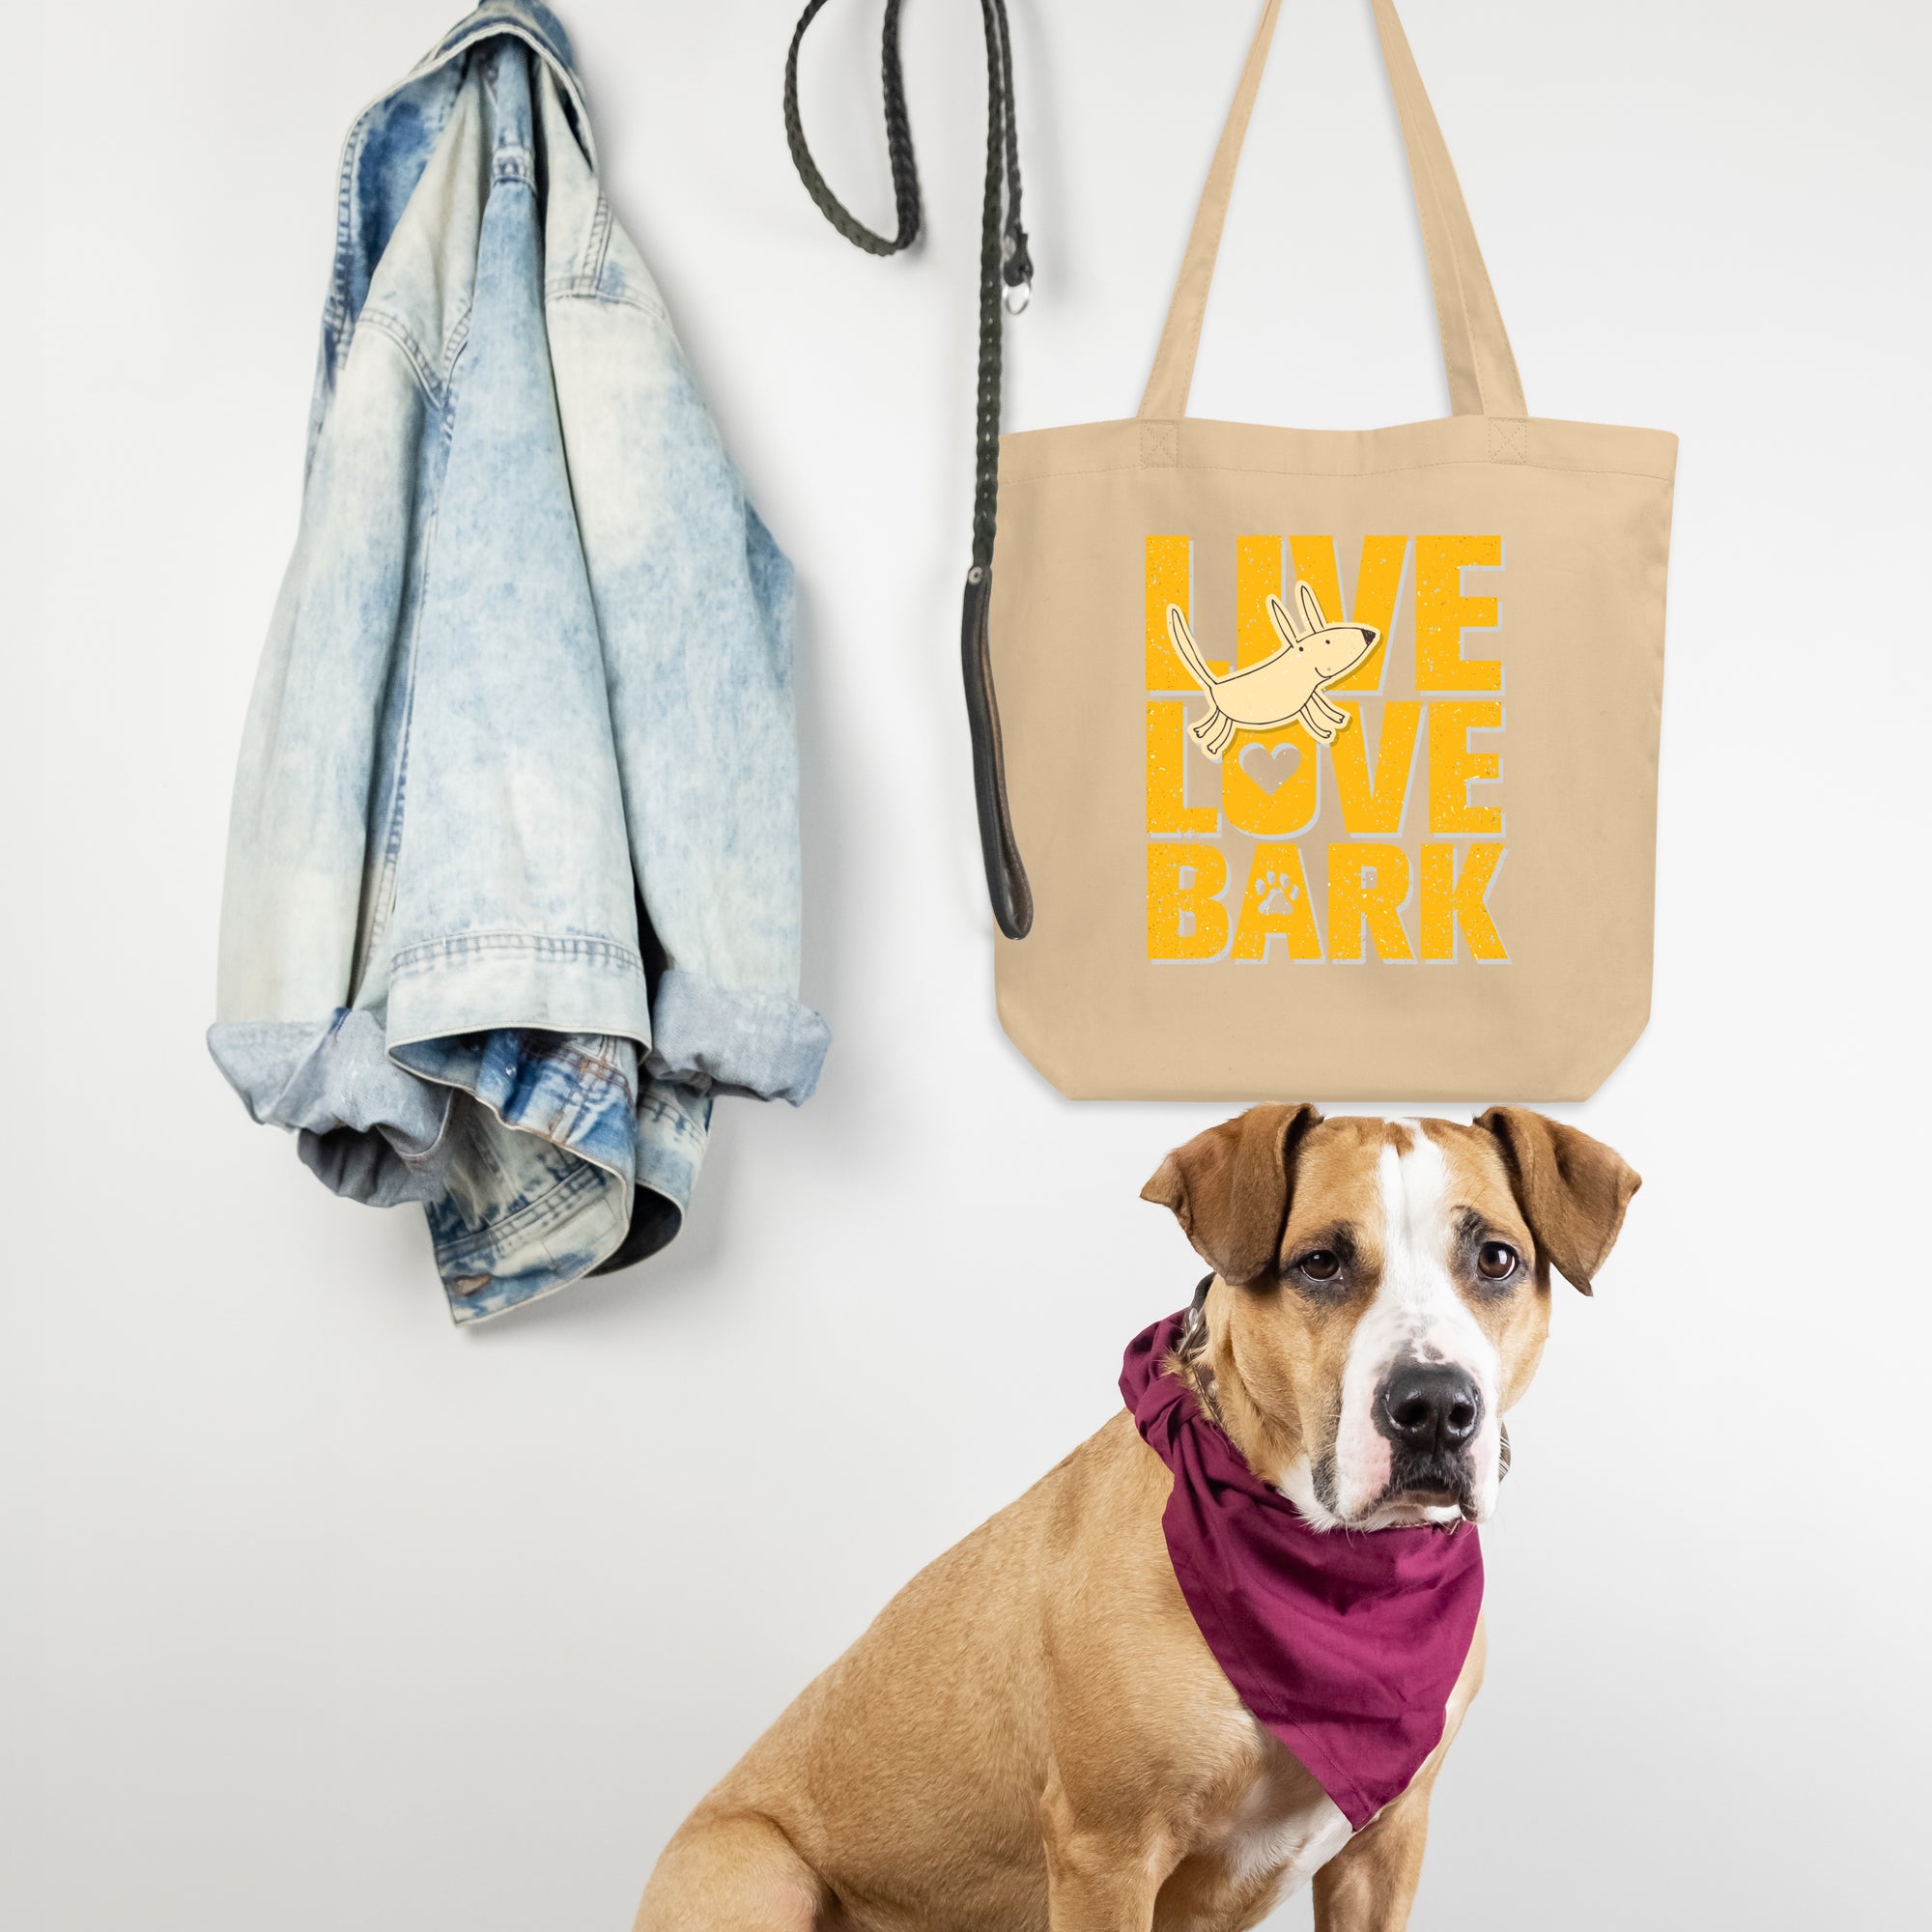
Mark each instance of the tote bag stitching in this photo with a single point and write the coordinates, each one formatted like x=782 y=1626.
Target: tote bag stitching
x=1509 y=440
x=1161 y=447
x=1323 y=475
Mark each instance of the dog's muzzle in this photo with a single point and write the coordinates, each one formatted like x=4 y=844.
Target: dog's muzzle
x=1430 y=1413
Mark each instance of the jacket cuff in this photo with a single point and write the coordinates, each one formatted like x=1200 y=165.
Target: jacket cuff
x=369 y=1129
x=762 y=1045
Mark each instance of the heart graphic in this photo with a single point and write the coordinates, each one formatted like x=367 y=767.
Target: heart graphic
x=1258 y=759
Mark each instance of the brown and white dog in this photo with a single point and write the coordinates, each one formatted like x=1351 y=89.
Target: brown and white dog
x=1032 y=1734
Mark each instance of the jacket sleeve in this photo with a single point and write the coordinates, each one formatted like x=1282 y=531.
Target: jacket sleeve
x=693 y=604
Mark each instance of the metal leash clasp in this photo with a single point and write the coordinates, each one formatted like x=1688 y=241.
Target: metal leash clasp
x=1017 y=270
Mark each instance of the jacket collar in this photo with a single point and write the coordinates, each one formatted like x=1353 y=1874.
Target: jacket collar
x=529 y=18
x=526 y=20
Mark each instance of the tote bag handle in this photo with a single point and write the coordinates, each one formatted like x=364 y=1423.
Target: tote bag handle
x=1475 y=350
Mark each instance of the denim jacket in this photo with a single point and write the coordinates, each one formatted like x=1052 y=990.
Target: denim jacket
x=513 y=870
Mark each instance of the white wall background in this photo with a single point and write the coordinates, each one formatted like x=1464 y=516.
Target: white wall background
x=318 y=1613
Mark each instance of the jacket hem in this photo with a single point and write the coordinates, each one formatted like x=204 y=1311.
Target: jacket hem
x=531 y=1158
x=569 y=1216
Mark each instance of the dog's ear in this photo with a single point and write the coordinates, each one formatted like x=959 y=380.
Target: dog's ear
x=1573 y=1190
x=1229 y=1188
x=1311 y=607
x=1284 y=624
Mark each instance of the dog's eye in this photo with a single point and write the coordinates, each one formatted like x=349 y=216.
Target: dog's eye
x=1320 y=1264
x=1495 y=1260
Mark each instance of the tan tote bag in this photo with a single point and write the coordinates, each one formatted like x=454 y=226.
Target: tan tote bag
x=1333 y=754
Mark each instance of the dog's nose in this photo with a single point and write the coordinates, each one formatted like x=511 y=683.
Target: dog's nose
x=1431 y=1408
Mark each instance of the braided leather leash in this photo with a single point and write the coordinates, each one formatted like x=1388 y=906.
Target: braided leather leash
x=1003 y=256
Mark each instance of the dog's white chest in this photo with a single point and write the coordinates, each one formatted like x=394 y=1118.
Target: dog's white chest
x=1289 y=1844
x=1281 y=1830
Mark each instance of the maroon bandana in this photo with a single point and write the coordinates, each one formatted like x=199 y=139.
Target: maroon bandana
x=1345 y=1644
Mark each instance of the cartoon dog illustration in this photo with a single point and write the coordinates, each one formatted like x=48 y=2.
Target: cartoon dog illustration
x=1282 y=686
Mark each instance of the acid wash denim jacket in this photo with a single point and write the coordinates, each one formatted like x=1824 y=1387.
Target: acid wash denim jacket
x=513 y=870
